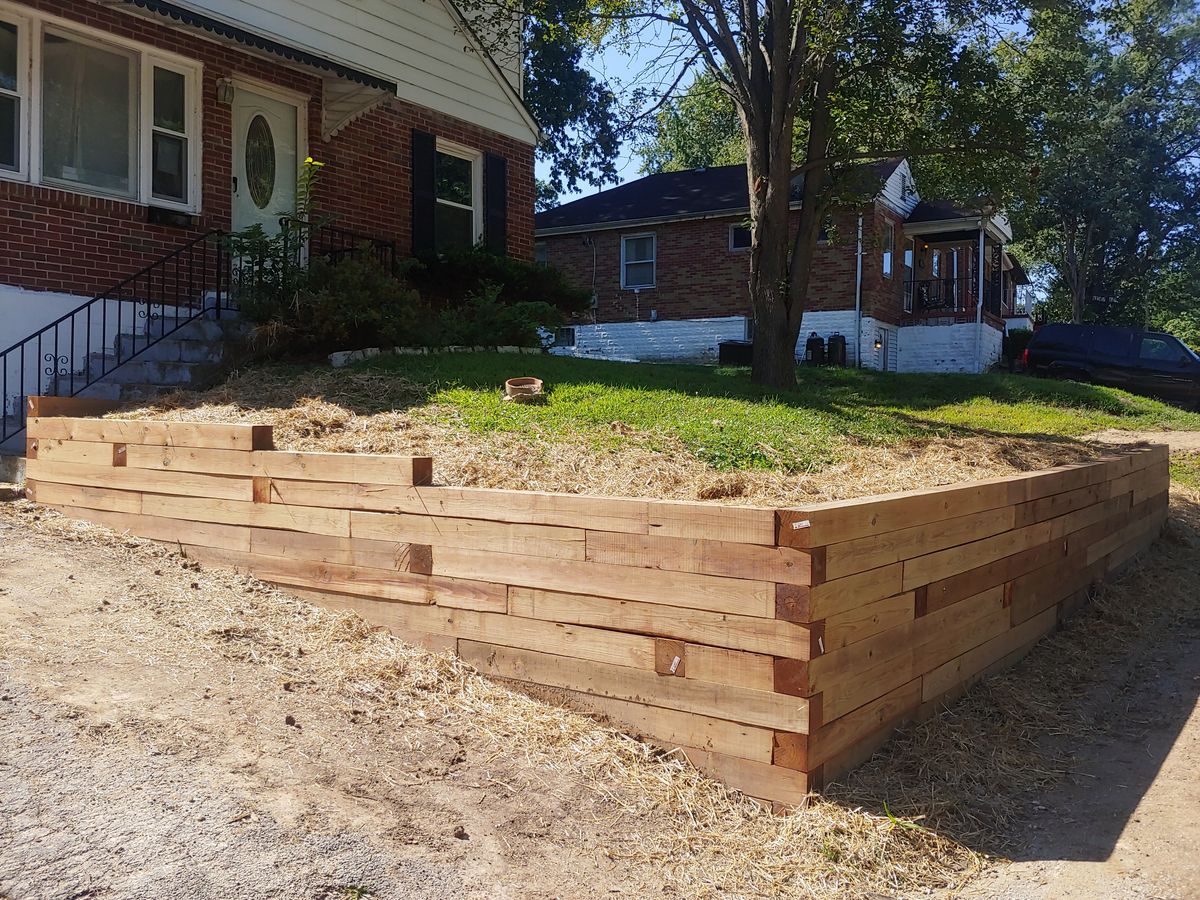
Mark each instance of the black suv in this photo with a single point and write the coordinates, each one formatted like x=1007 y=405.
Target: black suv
x=1145 y=362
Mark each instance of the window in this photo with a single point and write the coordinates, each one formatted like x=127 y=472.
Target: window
x=637 y=261
x=541 y=253
x=935 y=263
x=456 y=216
x=11 y=89
x=89 y=125
x=889 y=248
x=104 y=117
x=1162 y=349
x=168 y=138
x=739 y=237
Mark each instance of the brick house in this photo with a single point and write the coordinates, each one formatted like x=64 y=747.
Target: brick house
x=129 y=127
x=667 y=260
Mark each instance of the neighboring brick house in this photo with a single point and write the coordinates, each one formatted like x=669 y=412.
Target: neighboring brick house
x=667 y=260
x=128 y=127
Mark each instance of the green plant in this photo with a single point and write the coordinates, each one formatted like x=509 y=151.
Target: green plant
x=455 y=277
x=269 y=269
x=485 y=320
x=353 y=303
x=1016 y=341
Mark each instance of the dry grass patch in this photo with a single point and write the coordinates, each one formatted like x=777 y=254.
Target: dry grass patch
x=368 y=412
x=923 y=814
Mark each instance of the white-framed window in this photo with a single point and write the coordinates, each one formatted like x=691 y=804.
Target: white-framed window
x=14 y=92
x=541 y=253
x=458 y=194
x=889 y=248
x=638 y=260
x=739 y=237
x=85 y=111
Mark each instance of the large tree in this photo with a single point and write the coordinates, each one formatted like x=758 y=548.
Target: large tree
x=814 y=85
x=1113 y=95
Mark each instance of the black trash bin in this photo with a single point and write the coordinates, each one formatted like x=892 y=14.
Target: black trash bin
x=814 y=350
x=837 y=349
x=735 y=353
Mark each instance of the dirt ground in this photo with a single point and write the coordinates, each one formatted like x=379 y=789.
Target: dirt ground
x=171 y=732
x=1178 y=441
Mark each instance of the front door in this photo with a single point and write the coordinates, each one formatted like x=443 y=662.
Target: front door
x=266 y=160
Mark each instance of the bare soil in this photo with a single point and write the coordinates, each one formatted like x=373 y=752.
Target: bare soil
x=175 y=732
x=1178 y=441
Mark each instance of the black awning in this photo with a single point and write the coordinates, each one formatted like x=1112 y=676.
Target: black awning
x=198 y=20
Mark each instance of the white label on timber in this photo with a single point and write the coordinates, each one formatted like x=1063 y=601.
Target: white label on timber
x=675 y=665
x=803 y=523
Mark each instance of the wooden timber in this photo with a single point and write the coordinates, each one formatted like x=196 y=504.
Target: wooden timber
x=775 y=648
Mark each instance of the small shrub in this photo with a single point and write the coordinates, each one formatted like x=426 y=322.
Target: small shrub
x=352 y=303
x=455 y=277
x=1015 y=342
x=484 y=320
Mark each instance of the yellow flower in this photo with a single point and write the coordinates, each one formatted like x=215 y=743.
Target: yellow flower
x=309 y=161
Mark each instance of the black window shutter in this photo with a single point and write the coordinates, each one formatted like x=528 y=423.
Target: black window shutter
x=495 y=207
x=424 y=146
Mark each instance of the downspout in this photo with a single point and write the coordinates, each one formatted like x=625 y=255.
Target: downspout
x=979 y=298
x=858 y=297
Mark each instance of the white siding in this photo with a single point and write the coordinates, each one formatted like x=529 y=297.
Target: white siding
x=893 y=194
x=416 y=44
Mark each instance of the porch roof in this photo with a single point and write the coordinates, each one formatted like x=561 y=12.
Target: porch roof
x=948 y=221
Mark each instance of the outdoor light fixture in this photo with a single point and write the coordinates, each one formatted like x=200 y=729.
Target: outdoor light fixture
x=225 y=91
x=878 y=343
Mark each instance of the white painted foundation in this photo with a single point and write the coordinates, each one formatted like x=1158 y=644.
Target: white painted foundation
x=913 y=348
x=949 y=348
x=24 y=312
x=668 y=340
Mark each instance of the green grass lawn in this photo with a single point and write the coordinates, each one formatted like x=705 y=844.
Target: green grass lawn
x=730 y=423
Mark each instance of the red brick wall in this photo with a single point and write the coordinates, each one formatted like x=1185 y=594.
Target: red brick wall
x=52 y=239
x=698 y=276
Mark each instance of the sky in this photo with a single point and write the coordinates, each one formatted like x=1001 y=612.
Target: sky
x=619 y=68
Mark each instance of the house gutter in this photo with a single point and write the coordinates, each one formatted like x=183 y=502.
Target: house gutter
x=858 y=296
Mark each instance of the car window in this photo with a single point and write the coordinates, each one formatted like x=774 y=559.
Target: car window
x=1057 y=337
x=1161 y=349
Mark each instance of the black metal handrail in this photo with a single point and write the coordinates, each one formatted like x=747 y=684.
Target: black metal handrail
x=73 y=352
x=335 y=244
x=949 y=295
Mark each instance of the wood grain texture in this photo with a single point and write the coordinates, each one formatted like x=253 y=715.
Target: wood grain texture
x=762 y=708
x=163 y=434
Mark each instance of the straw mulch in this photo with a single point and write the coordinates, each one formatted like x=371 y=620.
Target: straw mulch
x=927 y=812
x=324 y=409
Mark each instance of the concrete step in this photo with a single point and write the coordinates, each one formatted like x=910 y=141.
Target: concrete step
x=164 y=374
x=171 y=349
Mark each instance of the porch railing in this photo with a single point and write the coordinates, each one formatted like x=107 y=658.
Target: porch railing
x=949 y=296
x=335 y=244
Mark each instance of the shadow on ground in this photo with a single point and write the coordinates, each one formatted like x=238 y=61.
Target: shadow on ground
x=1052 y=759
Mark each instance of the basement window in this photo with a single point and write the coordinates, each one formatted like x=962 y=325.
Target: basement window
x=739 y=237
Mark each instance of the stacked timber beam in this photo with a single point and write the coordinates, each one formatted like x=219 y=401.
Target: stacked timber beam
x=776 y=648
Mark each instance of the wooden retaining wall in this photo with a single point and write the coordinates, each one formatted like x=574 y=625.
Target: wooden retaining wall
x=776 y=647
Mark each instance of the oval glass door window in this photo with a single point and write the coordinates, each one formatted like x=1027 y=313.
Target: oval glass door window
x=260 y=161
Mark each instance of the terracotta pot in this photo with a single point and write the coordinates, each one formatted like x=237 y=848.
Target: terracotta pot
x=522 y=390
